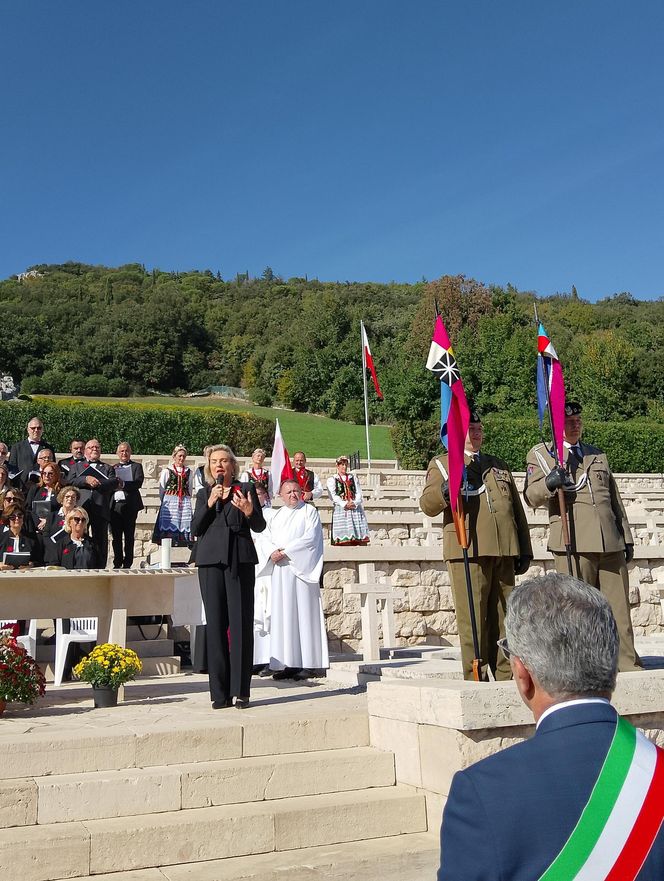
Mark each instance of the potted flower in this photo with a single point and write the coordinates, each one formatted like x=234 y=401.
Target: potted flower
x=21 y=679
x=106 y=668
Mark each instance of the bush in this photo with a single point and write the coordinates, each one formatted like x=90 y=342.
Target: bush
x=635 y=446
x=260 y=396
x=151 y=429
x=353 y=411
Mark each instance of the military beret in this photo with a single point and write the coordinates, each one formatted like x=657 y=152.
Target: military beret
x=573 y=408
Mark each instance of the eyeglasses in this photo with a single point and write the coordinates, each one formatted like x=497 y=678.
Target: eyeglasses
x=16 y=516
x=502 y=645
x=78 y=519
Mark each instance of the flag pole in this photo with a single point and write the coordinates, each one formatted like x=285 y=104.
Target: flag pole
x=462 y=537
x=562 y=504
x=459 y=519
x=366 y=397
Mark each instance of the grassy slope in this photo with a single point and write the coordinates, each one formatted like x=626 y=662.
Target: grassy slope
x=316 y=435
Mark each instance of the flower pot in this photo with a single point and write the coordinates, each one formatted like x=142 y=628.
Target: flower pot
x=104 y=696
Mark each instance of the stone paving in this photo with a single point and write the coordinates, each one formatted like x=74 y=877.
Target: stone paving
x=173 y=700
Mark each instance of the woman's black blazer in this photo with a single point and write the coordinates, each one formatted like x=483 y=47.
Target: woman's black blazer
x=29 y=543
x=68 y=551
x=224 y=537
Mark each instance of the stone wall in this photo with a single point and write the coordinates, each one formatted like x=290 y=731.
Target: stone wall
x=426 y=613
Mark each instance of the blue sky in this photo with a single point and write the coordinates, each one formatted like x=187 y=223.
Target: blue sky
x=362 y=139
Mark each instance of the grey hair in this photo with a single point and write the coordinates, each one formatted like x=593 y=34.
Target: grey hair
x=215 y=448
x=565 y=633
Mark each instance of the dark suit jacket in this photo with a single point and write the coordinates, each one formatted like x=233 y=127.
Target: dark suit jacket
x=70 y=556
x=132 y=502
x=21 y=458
x=225 y=536
x=98 y=504
x=26 y=543
x=65 y=464
x=508 y=816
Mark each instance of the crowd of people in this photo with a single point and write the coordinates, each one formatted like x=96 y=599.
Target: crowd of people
x=259 y=567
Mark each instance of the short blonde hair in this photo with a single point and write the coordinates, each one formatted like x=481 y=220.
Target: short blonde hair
x=216 y=448
x=81 y=512
x=68 y=489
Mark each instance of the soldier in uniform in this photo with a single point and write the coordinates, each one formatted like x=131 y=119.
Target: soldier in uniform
x=600 y=536
x=498 y=546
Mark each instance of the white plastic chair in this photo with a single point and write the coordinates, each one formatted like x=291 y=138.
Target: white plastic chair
x=80 y=630
x=28 y=640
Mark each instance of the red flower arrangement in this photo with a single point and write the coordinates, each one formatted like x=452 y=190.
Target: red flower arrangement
x=20 y=676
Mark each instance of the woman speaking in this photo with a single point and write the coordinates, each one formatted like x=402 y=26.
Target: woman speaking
x=226 y=511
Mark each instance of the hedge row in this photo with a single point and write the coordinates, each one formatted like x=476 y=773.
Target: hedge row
x=151 y=429
x=635 y=446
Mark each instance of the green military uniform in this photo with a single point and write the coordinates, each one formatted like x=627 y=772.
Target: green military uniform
x=598 y=530
x=497 y=533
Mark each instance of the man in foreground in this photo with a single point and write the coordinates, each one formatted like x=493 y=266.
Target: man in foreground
x=584 y=797
x=298 y=640
x=602 y=542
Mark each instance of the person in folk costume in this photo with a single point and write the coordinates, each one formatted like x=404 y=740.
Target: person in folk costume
x=298 y=639
x=226 y=512
x=601 y=539
x=175 y=512
x=262 y=587
x=256 y=473
x=349 y=522
x=583 y=796
x=309 y=482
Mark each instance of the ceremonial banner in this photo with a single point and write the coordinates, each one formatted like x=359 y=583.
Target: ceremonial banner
x=368 y=361
x=280 y=468
x=454 y=412
x=550 y=373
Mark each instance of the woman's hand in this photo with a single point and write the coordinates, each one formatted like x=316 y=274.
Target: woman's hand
x=349 y=506
x=217 y=494
x=277 y=556
x=5 y=567
x=244 y=503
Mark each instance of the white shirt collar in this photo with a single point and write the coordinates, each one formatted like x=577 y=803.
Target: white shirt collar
x=576 y=702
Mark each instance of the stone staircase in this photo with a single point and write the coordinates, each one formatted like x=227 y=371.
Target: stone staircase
x=236 y=797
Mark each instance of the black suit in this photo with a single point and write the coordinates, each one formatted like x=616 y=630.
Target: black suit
x=98 y=505
x=123 y=517
x=65 y=464
x=22 y=458
x=226 y=560
x=28 y=543
x=71 y=556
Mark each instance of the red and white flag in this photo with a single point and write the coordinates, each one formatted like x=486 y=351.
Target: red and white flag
x=280 y=467
x=368 y=362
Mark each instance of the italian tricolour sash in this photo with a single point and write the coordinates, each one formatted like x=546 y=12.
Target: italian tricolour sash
x=623 y=815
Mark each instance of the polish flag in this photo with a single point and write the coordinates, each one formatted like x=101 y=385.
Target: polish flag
x=280 y=468
x=368 y=362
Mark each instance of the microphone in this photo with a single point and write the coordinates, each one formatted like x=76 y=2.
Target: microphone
x=217 y=507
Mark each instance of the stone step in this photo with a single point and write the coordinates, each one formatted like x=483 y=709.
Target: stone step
x=65 y=798
x=160 y=666
x=151 y=648
x=411 y=857
x=38 y=753
x=65 y=850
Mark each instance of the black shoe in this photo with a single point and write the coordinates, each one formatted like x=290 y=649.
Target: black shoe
x=257 y=669
x=265 y=673
x=287 y=673
x=222 y=705
x=303 y=674
x=241 y=703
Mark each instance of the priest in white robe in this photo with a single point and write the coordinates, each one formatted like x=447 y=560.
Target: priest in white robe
x=298 y=639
